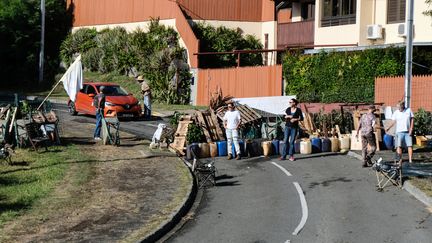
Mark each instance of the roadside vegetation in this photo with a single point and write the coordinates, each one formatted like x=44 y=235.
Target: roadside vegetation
x=32 y=177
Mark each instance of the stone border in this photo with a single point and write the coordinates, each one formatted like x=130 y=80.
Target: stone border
x=407 y=186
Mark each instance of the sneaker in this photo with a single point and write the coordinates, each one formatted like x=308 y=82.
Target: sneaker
x=97 y=138
x=291 y=158
x=282 y=158
x=238 y=157
x=229 y=157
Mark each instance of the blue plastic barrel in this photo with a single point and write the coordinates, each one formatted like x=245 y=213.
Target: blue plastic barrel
x=325 y=145
x=242 y=151
x=388 y=141
x=222 y=148
x=316 y=145
x=297 y=146
x=189 y=148
x=275 y=147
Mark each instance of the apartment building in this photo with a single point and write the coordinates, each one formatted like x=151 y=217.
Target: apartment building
x=340 y=22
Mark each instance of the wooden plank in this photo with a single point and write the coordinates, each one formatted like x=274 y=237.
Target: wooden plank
x=219 y=131
x=13 y=119
x=203 y=125
x=182 y=128
x=356 y=143
x=338 y=131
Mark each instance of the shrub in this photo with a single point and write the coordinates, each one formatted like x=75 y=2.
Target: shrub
x=422 y=122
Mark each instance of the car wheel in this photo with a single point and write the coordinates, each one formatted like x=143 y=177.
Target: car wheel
x=71 y=109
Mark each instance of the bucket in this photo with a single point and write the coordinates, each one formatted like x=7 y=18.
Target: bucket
x=189 y=148
x=305 y=147
x=344 y=143
x=267 y=148
x=249 y=148
x=241 y=144
x=388 y=141
x=205 y=150
x=213 y=150
x=316 y=145
x=257 y=149
x=325 y=145
x=275 y=147
x=334 y=144
x=297 y=146
x=222 y=148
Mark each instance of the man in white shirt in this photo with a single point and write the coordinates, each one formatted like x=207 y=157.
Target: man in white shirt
x=232 y=122
x=404 y=120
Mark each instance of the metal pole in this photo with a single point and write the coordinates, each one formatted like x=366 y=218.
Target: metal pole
x=42 y=45
x=409 y=51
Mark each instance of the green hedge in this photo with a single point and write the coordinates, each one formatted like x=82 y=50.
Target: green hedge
x=346 y=76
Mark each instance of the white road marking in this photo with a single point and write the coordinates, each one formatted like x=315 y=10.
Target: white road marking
x=288 y=241
x=282 y=169
x=304 y=209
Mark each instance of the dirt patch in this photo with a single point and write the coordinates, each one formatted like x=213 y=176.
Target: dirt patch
x=126 y=193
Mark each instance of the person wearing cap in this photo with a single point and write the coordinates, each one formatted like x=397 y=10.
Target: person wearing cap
x=403 y=118
x=146 y=91
x=231 y=121
x=366 y=128
x=99 y=104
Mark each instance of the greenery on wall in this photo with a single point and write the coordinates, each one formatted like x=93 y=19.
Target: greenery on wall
x=422 y=122
x=222 y=39
x=346 y=76
x=156 y=55
x=20 y=40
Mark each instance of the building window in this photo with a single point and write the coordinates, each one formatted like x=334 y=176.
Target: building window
x=338 y=12
x=396 y=11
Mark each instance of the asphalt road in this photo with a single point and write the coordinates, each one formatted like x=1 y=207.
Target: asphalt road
x=143 y=129
x=260 y=200
x=255 y=201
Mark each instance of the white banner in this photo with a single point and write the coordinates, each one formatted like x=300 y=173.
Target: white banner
x=73 y=79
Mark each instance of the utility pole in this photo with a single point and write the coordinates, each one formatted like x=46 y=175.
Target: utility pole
x=42 y=45
x=409 y=53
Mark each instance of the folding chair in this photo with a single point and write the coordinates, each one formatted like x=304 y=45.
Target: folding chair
x=205 y=172
x=36 y=136
x=387 y=172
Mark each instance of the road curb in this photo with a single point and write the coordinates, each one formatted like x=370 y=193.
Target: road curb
x=407 y=186
x=183 y=208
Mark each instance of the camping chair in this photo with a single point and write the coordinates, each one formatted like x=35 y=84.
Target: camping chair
x=35 y=135
x=205 y=172
x=387 y=172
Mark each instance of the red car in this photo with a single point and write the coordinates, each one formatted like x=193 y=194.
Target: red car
x=118 y=102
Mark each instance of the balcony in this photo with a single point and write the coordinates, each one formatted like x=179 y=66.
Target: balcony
x=295 y=33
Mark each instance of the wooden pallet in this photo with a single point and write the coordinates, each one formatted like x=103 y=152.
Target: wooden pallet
x=247 y=114
x=208 y=122
x=180 y=135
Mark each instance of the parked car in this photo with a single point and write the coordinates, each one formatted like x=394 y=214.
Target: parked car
x=118 y=102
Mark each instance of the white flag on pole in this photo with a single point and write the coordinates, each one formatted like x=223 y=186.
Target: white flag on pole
x=73 y=78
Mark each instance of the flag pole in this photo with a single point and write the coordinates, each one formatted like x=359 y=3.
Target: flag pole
x=52 y=90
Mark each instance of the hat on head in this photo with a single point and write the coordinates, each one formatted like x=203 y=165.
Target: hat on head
x=140 y=78
x=372 y=107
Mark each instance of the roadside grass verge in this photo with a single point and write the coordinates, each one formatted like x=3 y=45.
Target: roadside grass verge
x=33 y=176
x=424 y=184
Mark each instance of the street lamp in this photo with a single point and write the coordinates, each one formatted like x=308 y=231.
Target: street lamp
x=42 y=45
x=409 y=54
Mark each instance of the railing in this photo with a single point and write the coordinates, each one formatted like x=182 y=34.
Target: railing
x=296 y=33
x=338 y=20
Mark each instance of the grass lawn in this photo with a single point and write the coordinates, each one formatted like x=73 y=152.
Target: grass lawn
x=32 y=178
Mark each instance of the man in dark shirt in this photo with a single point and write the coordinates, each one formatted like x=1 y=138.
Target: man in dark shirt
x=99 y=104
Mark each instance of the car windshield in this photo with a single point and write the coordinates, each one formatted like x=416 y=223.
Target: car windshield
x=113 y=90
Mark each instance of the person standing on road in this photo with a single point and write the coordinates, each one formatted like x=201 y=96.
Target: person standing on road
x=367 y=127
x=404 y=120
x=231 y=121
x=293 y=115
x=146 y=91
x=99 y=104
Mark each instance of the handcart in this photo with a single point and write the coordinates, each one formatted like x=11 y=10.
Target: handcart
x=111 y=132
x=387 y=172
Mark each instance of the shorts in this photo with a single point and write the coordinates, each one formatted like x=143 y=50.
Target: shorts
x=403 y=137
